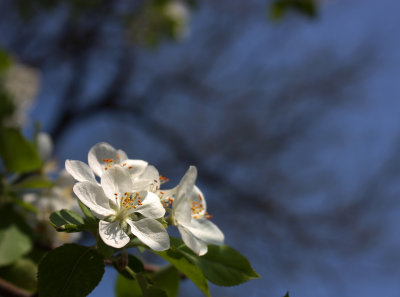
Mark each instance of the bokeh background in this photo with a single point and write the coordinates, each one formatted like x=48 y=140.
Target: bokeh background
x=293 y=123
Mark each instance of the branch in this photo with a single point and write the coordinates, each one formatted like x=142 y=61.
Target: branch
x=10 y=290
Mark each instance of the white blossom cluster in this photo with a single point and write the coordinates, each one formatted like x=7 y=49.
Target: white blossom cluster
x=127 y=197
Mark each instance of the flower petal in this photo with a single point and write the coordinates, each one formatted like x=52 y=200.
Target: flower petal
x=196 y=245
x=98 y=153
x=116 y=181
x=80 y=171
x=148 y=180
x=92 y=196
x=151 y=233
x=112 y=234
x=186 y=184
x=151 y=206
x=182 y=205
x=122 y=155
x=206 y=230
x=135 y=167
x=166 y=194
x=182 y=213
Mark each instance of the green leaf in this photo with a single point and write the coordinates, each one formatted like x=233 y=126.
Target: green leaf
x=186 y=267
x=5 y=60
x=287 y=294
x=71 y=270
x=35 y=182
x=222 y=265
x=134 y=263
x=104 y=249
x=15 y=236
x=7 y=106
x=127 y=287
x=225 y=266
x=18 y=154
x=67 y=221
x=87 y=212
x=153 y=291
x=21 y=273
x=167 y=279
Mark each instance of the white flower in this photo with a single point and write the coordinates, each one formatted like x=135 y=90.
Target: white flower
x=119 y=204
x=102 y=156
x=190 y=216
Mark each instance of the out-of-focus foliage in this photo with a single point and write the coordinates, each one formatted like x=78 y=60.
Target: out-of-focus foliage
x=152 y=21
x=28 y=196
x=279 y=8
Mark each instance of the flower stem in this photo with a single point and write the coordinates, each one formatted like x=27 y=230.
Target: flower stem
x=139 y=278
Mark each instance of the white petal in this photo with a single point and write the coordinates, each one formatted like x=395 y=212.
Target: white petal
x=122 y=155
x=196 y=245
x=80 y=171
x=186 y=184
x=135 y=167
x=150 y=172
x=151 y=233
x=166 y=194
x=182 y=213
x=116 y=181
x=152 y=207
x=206 y=230
x=44 y=145
x=148 y=180
x=112 y=234
x=92 y=196
x=184 y=189
x=98 y=153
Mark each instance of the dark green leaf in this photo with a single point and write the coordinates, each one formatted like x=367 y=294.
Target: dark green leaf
x=21 y=273
x=287 y=294
x=127 y=287
x=186 y=267
x=104 y=249
x=221 y=265
x=18 y=154
x=5 y=60
x=15 y=236
x=225 y=266
x=67 y=221
x=71 y=270
x=153 y=291
x=134 y=263
x=167 y=279
x=7 y=106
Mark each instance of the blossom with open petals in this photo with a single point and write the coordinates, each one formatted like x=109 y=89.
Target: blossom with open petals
x=123 y=208
x=190 y=216
x=102 y=156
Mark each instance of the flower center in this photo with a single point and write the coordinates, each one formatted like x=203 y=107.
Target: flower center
x=198 y=209
x=131 y=200
x=110 y=162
